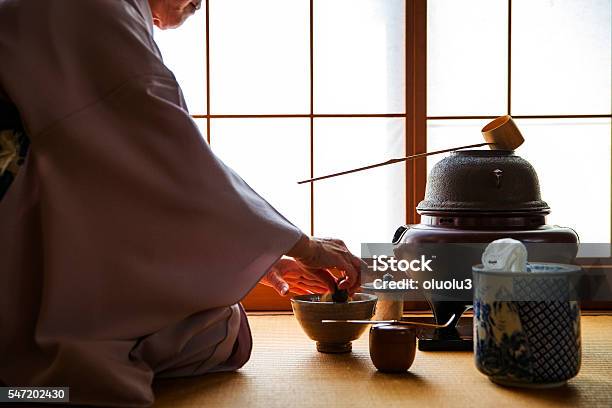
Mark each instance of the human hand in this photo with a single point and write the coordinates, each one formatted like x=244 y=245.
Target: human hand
x=332 y=254
x=288 y=276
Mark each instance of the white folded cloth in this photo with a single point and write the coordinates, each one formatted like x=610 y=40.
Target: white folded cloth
x=505 y=255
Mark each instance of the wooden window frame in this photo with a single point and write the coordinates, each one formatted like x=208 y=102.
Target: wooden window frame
x=597 y=265
x=262 y=298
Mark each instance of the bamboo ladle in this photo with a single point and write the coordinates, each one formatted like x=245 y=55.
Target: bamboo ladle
x=499 y=134
x=394 y=322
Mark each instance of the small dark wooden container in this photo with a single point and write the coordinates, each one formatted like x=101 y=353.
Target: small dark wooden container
x=392 y=347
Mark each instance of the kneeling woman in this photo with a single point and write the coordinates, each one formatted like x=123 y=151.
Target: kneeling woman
x=126 y=245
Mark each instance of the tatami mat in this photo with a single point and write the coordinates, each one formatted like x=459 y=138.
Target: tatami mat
x=285 y=370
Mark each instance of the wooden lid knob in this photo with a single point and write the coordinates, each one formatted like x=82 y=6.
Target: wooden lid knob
x=503 y=133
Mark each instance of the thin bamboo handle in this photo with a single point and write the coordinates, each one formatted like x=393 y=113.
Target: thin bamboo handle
x=396 y=322
x=399 y=160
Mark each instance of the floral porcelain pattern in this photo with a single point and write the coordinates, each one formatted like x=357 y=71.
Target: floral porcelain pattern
x=525 y=342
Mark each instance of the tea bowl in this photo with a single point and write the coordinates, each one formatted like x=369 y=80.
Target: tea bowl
x=333 y=337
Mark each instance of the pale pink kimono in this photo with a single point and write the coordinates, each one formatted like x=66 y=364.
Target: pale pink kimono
x=125 y=244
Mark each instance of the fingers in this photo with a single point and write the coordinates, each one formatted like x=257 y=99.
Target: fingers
x=315 y=281
x=324 y=276
x=353 y=274
x=338 y=242
x=329 y=253
x=277 y=282
x=320 y=278
x=352 y=271
x=300 y=291
x=343 y=261
x=307 y=284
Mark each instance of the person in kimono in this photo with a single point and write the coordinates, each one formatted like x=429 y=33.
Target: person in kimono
x=126 y=245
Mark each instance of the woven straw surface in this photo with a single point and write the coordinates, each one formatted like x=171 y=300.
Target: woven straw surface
x=285 y=370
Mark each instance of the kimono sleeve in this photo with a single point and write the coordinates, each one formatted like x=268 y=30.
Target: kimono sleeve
x=136 y=209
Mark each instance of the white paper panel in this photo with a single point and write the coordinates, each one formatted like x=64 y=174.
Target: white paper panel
x=571 y=157
x=366 y=206
x=184 y=52
x=259 y=56
x=359 y=56
x=445 y=134
x=561 y=57
x=467 y=57
x=271 y=155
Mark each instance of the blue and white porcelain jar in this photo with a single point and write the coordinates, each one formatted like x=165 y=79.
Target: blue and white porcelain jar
x=527 y=325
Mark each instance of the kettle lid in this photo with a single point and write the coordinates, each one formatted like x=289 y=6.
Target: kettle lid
x=483 y=181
